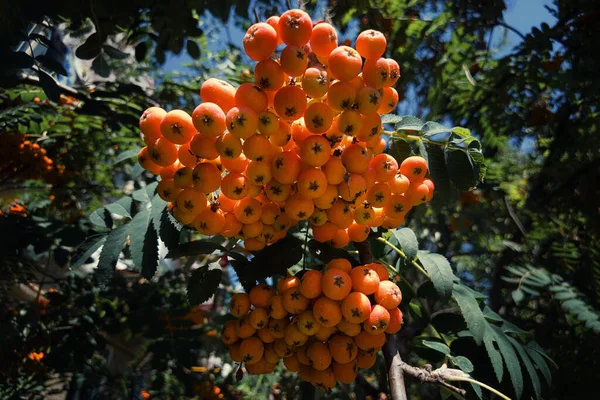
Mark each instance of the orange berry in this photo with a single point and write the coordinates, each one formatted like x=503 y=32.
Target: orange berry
x=371 y=44
x=417 y=193
x=431 y=188
x=389 y=100
x=376 y=72
x=315 y=150
x=204 y=147
x=251 y=96
x=229 y=334
x=364 y=280
x=299 y=207
x=340 y=214
x=177 y=127
x=234 y=186
x=270 y=354
x=340 y=263
x=349 y=122
x=394 y=72
x=252 y=350
x=206 y=177
x=311 y=284
x=318 y=117
x=167 y=190
x=238 y=164
x=323 y=39
x=315 y=82
x=231 y=226
x=209 y=119
x=334 y=170
x=358 y=232
x=294 y=60
x=352 y=188
x=342 y=348
x=150 y=122
x=293 y=336
x=277 y=192
x=295 y=27
x=299 y=133
x=356 y=159
x=414 y=168
x=307 y=323
x=327 y=312
x=162 y=153
x=210 y=222
x=397 y=206
x=292 y=363
x=258 y=318
x=312 y=183
x=260 y=41
x=283 y=349
x=348 y=328
x=276 y=308
x=242 y=121
x=318 y=217
x=269 y=75
x=191 y=201
x=290 y=103
x=244 y=329
x=341 y=96
x=273 y=20
x=324 y=232
x=385 y=166
x=368 y=100
x=388 y=295
x=258 y=173
x=379 y=195
x=260 y=295
x=268 y=123
x=325 y=332
x=366 y=359
x=378 y=320
x=336 y=284
x=294 y=302
x=341 y=239
x=277 y=328
x=327 y=200
x=217 y=91
x=399 y=184
x=319 y=356
x=380 y=269
x=324 y=380
x=229 y=146
x=344 y=63
x=356 y=307
x=370 y=342
x=395 y=321
x=283 y=134
x=247 y=210
x=285 y=284
x=345 y=373
x=286 y=167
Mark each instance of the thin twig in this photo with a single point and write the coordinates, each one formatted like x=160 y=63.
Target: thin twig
x=403 y=255
x=440 y=376
x=510 y=28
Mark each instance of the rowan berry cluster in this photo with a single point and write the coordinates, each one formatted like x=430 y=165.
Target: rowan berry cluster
x=303 y=142
x=19 y=158
x=323 y=325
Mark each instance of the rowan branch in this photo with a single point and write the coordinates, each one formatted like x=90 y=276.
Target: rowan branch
x=439 y=376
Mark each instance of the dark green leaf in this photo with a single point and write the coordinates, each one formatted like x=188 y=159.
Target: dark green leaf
x=510 y=359
x=460 y=170
x=471 y=312
x=390 y=119
x=86 y=249
x=203 y=283
x=115 y=53
x=478 y=162
x=126 y=155
x=463 y=363
x=51 y=64
x=399 y=149
x=540 y=363
x=121 y=208
x=109 y=256
x=326 y=252
x=493 y=354
x=170 y=230
x=432 y=128
x=49 y=85
x=193 y=49
x=143 y=244
x=437 y=346
x=17 y=59
x=408 y=241
x=194 y=249
x=438 y=268
x=277 y=258
x=535 y=380
x=436 y=164
x=461 y=132
x=100 y=66
x=90 y=48
x=409 y=122
x=518 y=296
x=101 y=217
x=141 y=49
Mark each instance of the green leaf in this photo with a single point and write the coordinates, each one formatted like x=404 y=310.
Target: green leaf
x=102 y=218
x=432 y=128
x=143 y=244
x=126 y=155
x=390 y=119
x=326 y=252
x=51 y=64
x=203 y=283
x=109 y=256
x=141 y=49
x=510 y=359
x=193 y=49
x=437 y=346
x=438 y=268
x=17 y=59
x=86 y=249
x=535 y=380
x=461 y=132
x=478 y=162
x=540 y=362
x=194 y=249
x=409 y=122
x=471 y=312
x=518 y=296
x=101 y=67
x=463 y=363
x=399 y=149
x=460 y=169
x=493 y=354
x=90 y=48
x=170 y=230
x=49 y=85
x=436 y=164
x=121 y=207
x=115 y=53
x=408 y=241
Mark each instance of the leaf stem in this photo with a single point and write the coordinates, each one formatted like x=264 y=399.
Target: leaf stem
x=404 y=256
x=483 y=385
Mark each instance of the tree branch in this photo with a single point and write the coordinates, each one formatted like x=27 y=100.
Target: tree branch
x=439 y=376
x=393 y=361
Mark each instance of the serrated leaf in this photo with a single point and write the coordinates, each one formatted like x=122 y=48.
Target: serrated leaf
x=143 y=244
x=326 y=252
x=408 y=241
x=460 y=169
x=109 y=256
x=518 y=296
x=461 y=132
x=126 y=155
x=193 y=49
x=203 y=283
x=399 y=149
x=438 y=268
x=100 y=66
x=437 y=346
x=464 y=364
x=432 y=128
x=120 y=208
x=115 y=53
x=409 y=122
x=510 y=359
x=535 y=380
x=194 y=249
x=170 y=230
x=436 y=164
x=51 y=64
x=86 y=249
x=49 y=85
x=471 y=312
x=390 y=119
x=540 y=363
x=493 y=354
x=277 y=258
x=90 y=48
x=478 y=162
x=102 y=218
